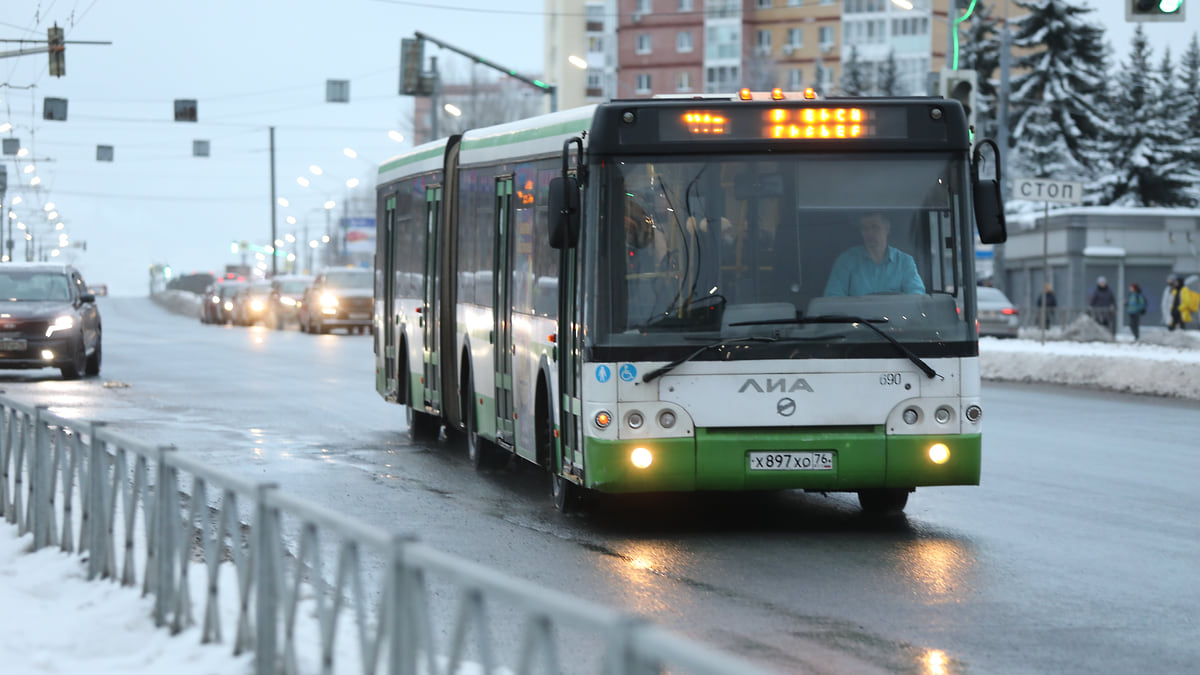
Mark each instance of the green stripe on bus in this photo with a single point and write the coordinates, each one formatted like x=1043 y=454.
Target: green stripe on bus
x=412 y=159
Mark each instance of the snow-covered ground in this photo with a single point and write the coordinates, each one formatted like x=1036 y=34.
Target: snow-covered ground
x=54 y=621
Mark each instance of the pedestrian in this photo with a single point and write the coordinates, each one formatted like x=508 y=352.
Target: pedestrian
x=1048 y=298
x=1164 y=305
x=1104 y=305
x=1135 y=307
x=1184 y=303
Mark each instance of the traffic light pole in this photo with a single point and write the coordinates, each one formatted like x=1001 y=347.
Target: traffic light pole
x=545 y=88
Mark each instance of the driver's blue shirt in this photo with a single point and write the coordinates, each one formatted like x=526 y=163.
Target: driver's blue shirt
x=855 y=273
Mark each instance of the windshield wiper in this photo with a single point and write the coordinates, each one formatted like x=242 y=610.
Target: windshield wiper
x=843 y=319
x=659 y=372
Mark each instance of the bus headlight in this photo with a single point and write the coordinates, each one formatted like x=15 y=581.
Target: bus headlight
x=641 y=458
x=939 y=453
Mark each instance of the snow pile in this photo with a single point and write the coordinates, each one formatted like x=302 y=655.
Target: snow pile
x=1162 y=363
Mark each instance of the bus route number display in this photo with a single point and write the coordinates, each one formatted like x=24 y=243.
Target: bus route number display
x=783 y=124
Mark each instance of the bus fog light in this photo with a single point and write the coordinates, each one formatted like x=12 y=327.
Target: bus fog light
x=635 y=420
x=641 y=458
x=666 y=419
x=911 y=416
x=974 y=412
x=603 y=419
x=943 y=415
x=939 y=453
x=47 y=355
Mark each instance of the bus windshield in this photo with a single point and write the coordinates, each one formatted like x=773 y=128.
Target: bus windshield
x=733 y=246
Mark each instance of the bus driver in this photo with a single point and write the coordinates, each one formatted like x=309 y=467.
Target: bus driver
x=874 y=267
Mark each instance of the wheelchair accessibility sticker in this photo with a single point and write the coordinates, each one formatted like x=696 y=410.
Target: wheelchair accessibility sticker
x=602 y=374
x=627 y=372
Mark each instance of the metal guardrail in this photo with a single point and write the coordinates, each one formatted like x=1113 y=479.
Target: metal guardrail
x=86 y=488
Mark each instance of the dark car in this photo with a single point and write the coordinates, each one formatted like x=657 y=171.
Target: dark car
x=283 y=305
x=225 y=293
x=997 y=315
x=250 y=303
x=339 y=298
x=210 y=304
x=48 y=319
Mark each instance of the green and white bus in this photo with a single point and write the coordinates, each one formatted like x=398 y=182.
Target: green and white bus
x=637 y=296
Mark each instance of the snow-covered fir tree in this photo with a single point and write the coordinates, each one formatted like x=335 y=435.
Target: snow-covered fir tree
x=980 y=51
x=1189 y=103
x=1063 y=73
x=1147 y=163
x=855 y=80
x=889 y=76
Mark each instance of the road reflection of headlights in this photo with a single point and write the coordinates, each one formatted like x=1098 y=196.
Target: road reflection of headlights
x=290 y=302
x=61 y=323
x=328 y=300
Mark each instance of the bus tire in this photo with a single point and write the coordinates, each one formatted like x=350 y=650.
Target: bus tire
x=564 y=493
x=880 y=501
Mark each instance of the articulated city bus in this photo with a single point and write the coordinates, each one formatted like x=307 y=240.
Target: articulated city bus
x=690 y=294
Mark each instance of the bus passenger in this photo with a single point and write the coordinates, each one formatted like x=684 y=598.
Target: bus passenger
x=644 y=243
x=874 y=267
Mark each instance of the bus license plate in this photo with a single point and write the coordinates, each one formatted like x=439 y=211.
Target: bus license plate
x=791 y=461
x=12 y=345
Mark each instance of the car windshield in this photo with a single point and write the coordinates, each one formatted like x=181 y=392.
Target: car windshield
x=734 y=246
x=34 y=286
x=349 y=280
x=991 y=296
x=294 y=287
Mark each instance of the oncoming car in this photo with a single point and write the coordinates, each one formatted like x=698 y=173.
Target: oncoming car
x=250 y=303
x=339 y=298
x=48 y=319
x=997 y=315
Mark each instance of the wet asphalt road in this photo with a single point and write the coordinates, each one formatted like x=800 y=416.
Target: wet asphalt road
x=1079 y=553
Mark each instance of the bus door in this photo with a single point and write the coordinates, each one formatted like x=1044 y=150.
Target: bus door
x=429 y=303
x=502 y=304
x=393 y=389
x=569 y=369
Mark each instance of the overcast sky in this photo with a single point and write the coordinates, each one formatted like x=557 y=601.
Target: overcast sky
x=250 y=66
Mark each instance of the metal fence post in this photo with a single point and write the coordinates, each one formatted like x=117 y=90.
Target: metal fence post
x=95 y=517
x=39 y=482
x=266 y=574
x=165 y=510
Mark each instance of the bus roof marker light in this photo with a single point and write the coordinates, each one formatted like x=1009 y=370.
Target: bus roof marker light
x=776 y=94
x=745 y=94
x=810 y=93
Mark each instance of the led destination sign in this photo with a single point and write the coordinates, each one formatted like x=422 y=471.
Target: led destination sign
x=784 y=124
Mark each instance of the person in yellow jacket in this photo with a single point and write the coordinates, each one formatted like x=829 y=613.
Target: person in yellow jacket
x=1184 y=303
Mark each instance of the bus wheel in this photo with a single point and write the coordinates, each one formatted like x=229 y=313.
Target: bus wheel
x=564 y=492
x=479 y=450
x=880 y=501
x=421 y=425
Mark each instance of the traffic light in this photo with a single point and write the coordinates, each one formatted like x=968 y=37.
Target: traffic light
x=58 y=58
x=412 y=62
x=961 y=85
x=1154 y=10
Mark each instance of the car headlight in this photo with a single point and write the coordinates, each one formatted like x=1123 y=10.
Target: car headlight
x=256 y=305
x=329 y=300
x=61 y=323
x=290 y=302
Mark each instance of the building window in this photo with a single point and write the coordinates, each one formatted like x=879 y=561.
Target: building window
x=795 y=38
x=764 y=4
x=683 y=41
x=643 y=43
x=595 y=79
x=595 y=44
x=795 y=80
x=720 y=79
x=683 y=81
x=643 y=7
x=795 y=3
x=825 y=37
x=762 y=41
x=684 y=6
x=643 y=83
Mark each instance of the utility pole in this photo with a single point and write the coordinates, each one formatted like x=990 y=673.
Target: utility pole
x=273 y=264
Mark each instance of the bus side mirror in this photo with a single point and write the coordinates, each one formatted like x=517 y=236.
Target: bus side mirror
x=989 y=212
x=564 y=212
x=989 y=205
